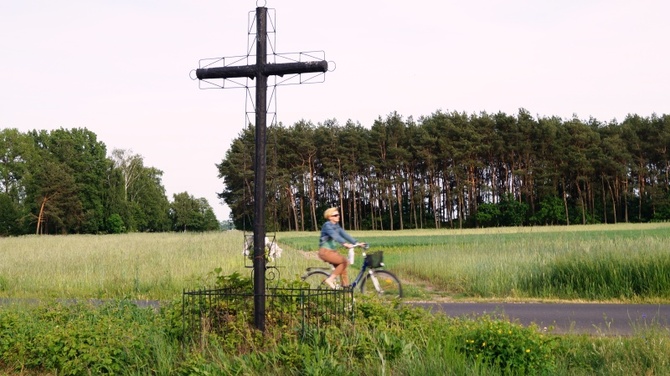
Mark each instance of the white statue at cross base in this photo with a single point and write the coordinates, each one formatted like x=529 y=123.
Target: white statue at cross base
x=273 y=249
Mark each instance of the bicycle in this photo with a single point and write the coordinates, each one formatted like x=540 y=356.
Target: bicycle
x=372 y=278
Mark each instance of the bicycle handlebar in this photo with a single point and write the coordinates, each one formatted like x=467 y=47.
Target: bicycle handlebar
x=365 y=246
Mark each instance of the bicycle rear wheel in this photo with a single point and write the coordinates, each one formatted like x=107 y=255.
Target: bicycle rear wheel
x=388 y=286
x=315 y=279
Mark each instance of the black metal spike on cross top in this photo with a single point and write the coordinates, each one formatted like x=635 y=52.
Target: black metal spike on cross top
x=260 y=71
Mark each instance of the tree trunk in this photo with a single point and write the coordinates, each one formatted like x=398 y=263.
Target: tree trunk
x=582 y=201
x=412 y=203
x=389 y=196
x=615 y=196
x=565 y=205
x=625 y=200
x=355 y=205
x=432 y=191
x=302 y=212
x=398 y=195
x=312 y=193
x=40 y=217
x=640 y=181
x=291 y=200
x=602 y=182
x=341 y=180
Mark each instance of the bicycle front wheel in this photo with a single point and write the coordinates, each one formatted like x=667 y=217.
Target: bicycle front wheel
x=382 y=284
x=315 y=279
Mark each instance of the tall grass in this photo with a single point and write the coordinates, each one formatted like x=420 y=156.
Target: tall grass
x=137 y=266
x=618 y=270
x=629 y=264
x=606 y=262
x=598 y=262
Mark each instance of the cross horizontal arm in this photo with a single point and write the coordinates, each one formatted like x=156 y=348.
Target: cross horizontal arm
x=268 y=70
x=226 y=72
x=294 y=68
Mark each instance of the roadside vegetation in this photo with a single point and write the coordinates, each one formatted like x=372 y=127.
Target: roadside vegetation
x=69 y=304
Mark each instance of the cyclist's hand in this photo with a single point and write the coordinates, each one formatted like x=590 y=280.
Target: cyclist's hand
x=362 y=245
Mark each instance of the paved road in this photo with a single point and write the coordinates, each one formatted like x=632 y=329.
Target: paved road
x=606 y=319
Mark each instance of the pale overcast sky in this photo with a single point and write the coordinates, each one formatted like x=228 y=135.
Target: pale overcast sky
x=121 y=68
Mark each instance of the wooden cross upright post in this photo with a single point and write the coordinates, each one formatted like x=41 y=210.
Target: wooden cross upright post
x=260 y=72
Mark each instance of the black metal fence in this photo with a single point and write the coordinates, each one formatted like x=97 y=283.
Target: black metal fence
x=301 y=309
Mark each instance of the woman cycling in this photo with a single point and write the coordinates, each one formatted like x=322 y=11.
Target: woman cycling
x=332 y=233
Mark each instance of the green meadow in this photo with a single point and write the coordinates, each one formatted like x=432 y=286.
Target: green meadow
x=49 y=336
x=629 y=263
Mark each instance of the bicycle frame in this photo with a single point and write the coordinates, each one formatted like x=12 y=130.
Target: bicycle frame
x=372 y=276
x=365 y=267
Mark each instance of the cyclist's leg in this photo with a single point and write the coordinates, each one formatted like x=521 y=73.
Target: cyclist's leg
x=339 y=262
x=316 y=278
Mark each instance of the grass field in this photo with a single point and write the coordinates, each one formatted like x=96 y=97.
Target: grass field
x=602 y=263
x=624 y=262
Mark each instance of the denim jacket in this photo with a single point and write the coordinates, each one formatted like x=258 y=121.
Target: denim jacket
x=331 y=233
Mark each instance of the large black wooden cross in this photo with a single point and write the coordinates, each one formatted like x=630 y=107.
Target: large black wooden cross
x=260 y=72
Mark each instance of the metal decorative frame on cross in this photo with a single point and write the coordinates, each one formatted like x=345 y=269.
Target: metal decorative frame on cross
x=231 y=71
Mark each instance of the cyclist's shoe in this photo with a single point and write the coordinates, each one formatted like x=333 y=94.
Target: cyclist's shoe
x=330 y=284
